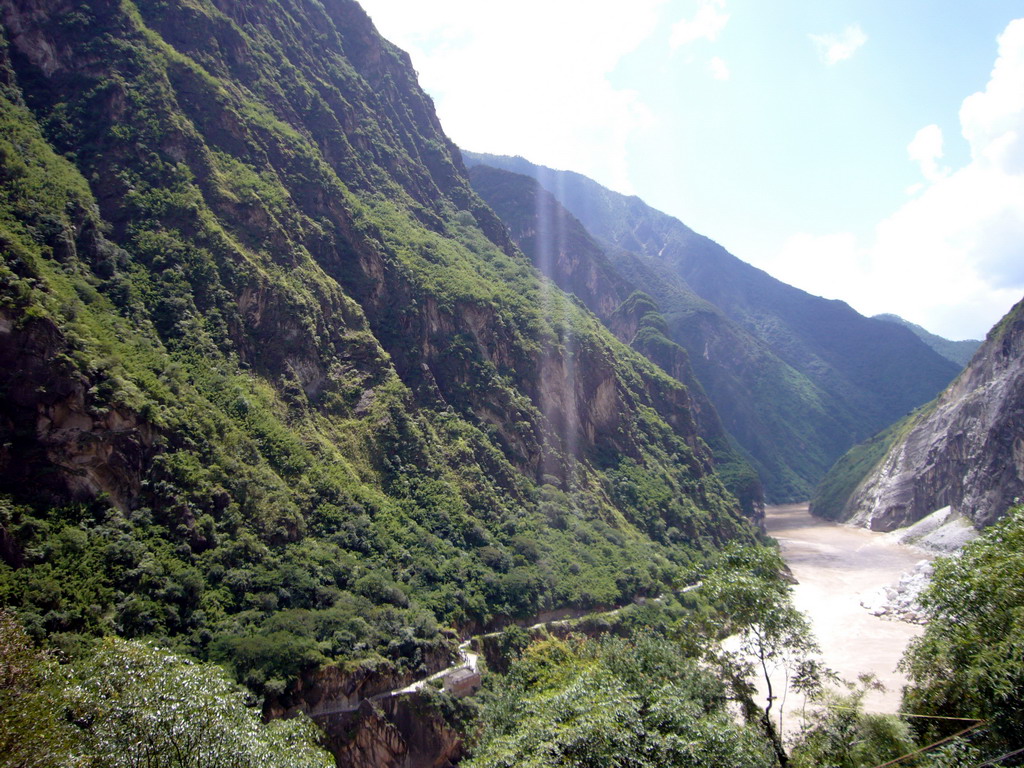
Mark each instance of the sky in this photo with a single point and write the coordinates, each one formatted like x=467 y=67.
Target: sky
x=864 y=150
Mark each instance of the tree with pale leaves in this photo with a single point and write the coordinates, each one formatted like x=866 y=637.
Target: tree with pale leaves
x=150 y=708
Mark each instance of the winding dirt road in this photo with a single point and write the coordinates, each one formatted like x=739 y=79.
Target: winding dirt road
x=835 y=566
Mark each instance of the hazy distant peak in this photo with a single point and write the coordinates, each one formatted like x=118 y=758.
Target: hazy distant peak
x=960 y=352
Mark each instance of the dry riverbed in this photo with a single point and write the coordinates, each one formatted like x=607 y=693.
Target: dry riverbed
x=837 y=566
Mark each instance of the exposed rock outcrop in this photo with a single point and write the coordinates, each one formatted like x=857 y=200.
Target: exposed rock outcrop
x=334 y=687
x=967 y=453
x=396 y=732
x=58 y=422
x=900 y=601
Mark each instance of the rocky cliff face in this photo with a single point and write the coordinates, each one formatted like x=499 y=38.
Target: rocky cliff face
x=57 y=422
x=406 y=731
x=564 y=252
x=967 y=452
x=334 y=688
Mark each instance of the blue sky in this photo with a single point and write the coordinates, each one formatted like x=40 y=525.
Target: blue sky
x=871 y=151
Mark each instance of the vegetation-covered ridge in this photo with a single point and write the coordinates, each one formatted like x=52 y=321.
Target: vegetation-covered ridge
x=796 y=379
x=562 y=250
x=275 y=388
x=960 y=352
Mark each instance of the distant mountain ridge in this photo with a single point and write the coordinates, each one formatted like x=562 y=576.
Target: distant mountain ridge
x=796 y=379
x=960 y=352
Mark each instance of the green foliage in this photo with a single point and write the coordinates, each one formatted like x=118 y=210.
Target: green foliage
x=34 y=733
x=969 y=662
x=954 y=754
x=841 y=735
x=743 y=592
x=613 y=702
x=745 y=595
x=129 y=704
x=146 y=706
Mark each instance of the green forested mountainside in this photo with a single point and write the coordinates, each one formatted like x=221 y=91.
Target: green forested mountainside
x=275 y=387
x=959 y=352
x=796 y=379
x=563 y=251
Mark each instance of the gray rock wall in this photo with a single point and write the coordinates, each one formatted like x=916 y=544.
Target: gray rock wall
x=968 y=454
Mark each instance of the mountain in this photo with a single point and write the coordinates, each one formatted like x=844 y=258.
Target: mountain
x=959 y=352
x=563 y=251
x=277 y=389
x=795 y=379
x=963 y=451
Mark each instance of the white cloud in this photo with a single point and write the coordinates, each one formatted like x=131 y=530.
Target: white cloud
x=719 y=69
x=707 y=24
x=993 y=119
x=952 y=258
x=925 y=149
x=529 y=78
x=836 y=48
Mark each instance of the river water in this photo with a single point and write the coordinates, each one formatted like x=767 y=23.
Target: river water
x=836 y=566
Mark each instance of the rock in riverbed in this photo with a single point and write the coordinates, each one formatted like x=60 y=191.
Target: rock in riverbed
x=899 y=601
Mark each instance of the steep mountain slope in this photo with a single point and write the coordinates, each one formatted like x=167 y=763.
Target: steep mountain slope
x=796 y=379
x=276 y=387
x=965 y=450
x=562 y=250
x=959 y=352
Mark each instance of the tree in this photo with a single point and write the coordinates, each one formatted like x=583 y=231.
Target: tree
x=751 y=601
x=969 y=662
x=129 y=705
x=150 y=708
x=33 y=731
x=640 y=703
x=841 y=735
